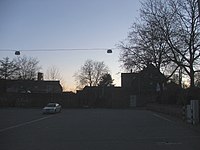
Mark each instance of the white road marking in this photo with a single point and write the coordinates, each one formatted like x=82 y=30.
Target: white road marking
x=25 y=123
x=161 y=117
x=168 y=143
x=168 y=137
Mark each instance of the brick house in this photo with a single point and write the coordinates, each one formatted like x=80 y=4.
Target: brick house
x=144 y=86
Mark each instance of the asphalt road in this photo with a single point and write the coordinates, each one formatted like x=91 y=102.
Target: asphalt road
x=93 y=129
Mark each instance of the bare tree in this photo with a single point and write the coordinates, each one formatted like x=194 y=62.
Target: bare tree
x=28 y=67
x=178 y=20
x=53 y=73
x=7 y=69
x=175 y=24
x=144 y=45
x=90 y=73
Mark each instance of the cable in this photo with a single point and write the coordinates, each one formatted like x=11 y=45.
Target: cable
x=67 y=49
x=6 y=50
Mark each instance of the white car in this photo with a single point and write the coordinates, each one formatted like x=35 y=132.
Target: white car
x=52 y=108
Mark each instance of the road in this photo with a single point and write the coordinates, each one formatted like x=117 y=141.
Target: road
x=93 y=129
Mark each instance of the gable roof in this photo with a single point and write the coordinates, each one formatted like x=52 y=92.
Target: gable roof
x=149 y=75
x=152 y=72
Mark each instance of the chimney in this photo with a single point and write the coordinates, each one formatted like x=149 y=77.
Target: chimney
x=40 y=76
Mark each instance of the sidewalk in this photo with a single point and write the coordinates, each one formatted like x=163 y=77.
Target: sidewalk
x=173 y=113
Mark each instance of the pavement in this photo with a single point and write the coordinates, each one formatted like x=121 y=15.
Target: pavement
x=99 y=129
x=195 y=127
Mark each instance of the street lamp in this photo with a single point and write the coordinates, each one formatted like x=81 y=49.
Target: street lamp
x=17 y=52
x=109 y=51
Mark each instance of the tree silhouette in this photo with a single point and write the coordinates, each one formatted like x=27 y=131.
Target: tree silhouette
x=28 y=67
x=53 y=73
x=90 y=73
x=172 y=28
x=7 y=69
x=106 y=80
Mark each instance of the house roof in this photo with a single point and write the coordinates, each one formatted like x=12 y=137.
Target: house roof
x=34 y=86
x=152 y=72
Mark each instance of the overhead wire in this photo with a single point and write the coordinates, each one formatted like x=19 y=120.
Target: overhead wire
x=64 y=49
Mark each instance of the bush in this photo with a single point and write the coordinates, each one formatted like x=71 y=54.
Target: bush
x=192 y=94
x=169 y=96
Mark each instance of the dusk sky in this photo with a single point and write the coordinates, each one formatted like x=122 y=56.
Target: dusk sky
x=66 y=24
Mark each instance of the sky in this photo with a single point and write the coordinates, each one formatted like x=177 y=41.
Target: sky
x=67 y=24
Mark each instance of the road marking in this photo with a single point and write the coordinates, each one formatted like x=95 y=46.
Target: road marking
x=161 y=117
x=168 y=143
x=25 y=123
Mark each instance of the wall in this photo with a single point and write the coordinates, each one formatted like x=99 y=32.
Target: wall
x=37 y=99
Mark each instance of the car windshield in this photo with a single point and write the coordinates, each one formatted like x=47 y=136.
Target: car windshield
x=51 y=105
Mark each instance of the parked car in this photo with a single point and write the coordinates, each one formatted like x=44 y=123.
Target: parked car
x=52 y=108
